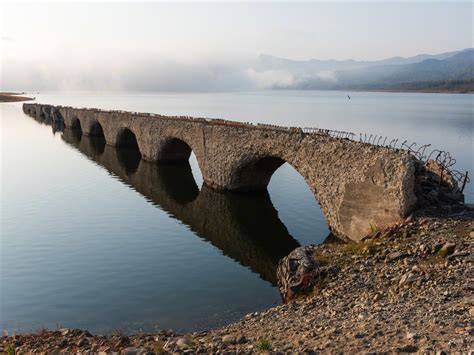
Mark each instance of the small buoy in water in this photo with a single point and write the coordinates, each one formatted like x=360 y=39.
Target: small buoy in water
x=348 y=97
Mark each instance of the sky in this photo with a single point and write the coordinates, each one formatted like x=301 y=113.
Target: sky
x=209 y=46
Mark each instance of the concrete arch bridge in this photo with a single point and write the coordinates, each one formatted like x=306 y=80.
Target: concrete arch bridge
x=359 y=186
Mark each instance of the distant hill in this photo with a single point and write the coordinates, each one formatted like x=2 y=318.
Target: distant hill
x=453 y=71
x=270 y=62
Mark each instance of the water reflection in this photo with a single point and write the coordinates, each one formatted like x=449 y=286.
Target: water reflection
x=245 y=228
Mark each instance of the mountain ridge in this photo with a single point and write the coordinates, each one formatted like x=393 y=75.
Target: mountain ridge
x=448 y=70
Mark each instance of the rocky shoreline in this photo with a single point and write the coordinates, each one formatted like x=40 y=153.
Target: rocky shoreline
x=407 y=289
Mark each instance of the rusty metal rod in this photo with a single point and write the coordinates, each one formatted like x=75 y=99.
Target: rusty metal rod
x=464 y=182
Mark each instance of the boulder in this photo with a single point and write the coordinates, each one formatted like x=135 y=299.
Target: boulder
x=297 y=273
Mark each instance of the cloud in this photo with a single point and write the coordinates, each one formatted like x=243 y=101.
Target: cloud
x=176 y=76
x=267 y=79
x=327 y=75
x=67 y=68
x=122 y=72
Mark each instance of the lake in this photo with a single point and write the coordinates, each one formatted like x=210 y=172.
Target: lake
x=95 y=238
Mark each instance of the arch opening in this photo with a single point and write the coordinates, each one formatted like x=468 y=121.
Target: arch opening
x=57 y=126
x=96 y=130
x=174 y=151
x=176 y=181
x=127 y=139
x=97 y=138
x=297 y=205
x=255 y=175
x=128 y=151
x=76 y=125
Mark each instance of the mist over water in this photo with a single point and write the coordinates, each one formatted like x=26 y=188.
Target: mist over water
x=92 y=237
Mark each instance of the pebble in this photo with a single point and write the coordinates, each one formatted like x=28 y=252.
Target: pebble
x=396 y=255
x=228 y=339
x=82 y=342
x=183 y=343
x=132 y=351
x=447 y=249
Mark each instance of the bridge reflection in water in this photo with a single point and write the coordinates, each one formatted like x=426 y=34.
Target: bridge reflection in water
x=244 y=227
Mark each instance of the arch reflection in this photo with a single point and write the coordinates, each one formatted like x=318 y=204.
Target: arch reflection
x=244 y=227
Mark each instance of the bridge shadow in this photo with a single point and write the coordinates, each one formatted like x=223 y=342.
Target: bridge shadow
x=244 y=227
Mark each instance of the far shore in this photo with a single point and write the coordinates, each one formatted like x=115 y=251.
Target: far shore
x=406 y=91
x=427 y=91
x=14 y=97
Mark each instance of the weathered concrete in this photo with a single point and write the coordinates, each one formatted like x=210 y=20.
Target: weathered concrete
x=358 y=186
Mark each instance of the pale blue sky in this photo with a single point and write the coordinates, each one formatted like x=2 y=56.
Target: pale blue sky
x=83 y=36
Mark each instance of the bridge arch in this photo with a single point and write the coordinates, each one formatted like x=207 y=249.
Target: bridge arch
x=128 y=150
x=126 y=138
x=253 y=173
x=76 y=124
x=272 y=174
x=173 y=150
x=96 y=130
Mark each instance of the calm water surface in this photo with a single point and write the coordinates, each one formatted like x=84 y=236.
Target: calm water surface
x=92 y=237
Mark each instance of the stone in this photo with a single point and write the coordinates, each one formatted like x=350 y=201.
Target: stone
x=447 y=249
x=131 y=351
x=64 y=342
x=64 y=331
x=75 y=332
x=183 y=343
x=396 y=255
x=122 y=341
x=407 y=278
x=408 y=349
x=82 y=342
x=458 y=254
x=241 y=339
x=436 y=247
x=229 y=339
x=297 y=273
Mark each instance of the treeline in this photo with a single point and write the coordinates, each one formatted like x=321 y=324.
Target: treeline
x=426 y=86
